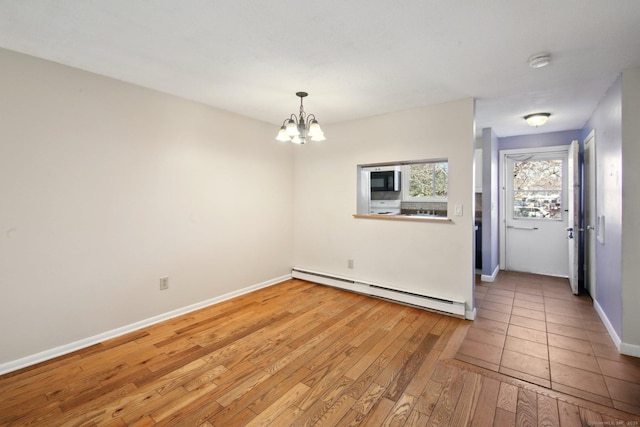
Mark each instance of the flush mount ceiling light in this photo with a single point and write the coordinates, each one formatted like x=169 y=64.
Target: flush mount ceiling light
x=539 y=60
x=297 y=129
x=537 y=119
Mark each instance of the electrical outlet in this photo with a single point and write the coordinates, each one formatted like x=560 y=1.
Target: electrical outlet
x=458 y=210
x=164 y=283
x=350 y=263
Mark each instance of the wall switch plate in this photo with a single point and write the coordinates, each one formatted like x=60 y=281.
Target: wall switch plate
x=600 y=229
x=350 y=263
x=164 y=283
x=458 y=210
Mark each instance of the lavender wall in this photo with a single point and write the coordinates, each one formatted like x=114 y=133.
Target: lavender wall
x=539 y=140
x=490 y=191
x=607 y=122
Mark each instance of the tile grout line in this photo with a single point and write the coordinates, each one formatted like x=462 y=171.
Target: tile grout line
x=506 y=334
x=546 y=326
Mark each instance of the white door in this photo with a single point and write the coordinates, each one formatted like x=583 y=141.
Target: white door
x=573 y=214
x=535 y=217
x=590 y=214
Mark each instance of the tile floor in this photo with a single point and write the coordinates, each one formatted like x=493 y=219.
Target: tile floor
x=533 y=328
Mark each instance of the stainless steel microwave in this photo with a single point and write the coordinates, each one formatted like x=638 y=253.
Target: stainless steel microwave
x=386 y=180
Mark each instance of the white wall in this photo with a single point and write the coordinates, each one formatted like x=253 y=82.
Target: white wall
x=105 y=187
x=630 y=210
x=435 y=259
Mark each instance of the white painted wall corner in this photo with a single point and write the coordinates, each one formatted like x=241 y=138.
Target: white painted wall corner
x=492 y=277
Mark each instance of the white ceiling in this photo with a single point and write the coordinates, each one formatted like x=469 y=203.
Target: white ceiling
x=356 y=58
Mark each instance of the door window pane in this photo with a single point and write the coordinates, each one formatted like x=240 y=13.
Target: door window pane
x=537 y=189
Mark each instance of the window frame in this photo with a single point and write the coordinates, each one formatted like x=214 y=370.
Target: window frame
x=563 y=195
x=406 y=195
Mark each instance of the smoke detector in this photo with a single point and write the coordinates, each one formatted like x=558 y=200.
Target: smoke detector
x=539 y=60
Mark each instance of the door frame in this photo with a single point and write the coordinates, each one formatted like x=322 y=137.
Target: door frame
x=590 y=281
x=502 y=196
x=574 y=214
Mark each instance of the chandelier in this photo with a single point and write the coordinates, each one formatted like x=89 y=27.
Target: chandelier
x=297 y=129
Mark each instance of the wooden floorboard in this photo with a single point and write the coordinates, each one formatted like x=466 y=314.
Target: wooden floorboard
x=292 y=354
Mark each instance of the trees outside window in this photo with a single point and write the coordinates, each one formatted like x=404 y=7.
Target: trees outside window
x=537 y=189
x=427 y=181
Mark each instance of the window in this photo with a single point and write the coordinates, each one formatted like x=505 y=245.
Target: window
x=537 y=189
x=426 y=181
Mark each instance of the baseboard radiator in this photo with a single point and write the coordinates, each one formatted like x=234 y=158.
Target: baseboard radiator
x=455 y=308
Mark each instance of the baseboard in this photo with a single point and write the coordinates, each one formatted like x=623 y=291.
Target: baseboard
x=623 y=347
x=630 y=349
x=89 y=341
x=607 y=324
x=470 y=314
x=430 y=302
x=487 y=278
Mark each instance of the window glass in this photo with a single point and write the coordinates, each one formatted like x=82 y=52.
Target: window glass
x=427 y=181
x=537 y=189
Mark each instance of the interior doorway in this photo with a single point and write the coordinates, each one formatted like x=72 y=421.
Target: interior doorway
x=534 y=214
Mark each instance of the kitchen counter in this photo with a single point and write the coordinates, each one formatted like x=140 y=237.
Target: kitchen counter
x=404 y=217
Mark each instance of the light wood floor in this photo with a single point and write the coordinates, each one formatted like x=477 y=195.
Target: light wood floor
x=292 y=354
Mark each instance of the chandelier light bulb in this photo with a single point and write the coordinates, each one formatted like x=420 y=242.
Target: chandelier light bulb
x=292 y=128
x=282 y=135
x=314 y=128
x=318 y=137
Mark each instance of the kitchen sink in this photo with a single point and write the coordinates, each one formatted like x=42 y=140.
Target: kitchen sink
x=422 y=215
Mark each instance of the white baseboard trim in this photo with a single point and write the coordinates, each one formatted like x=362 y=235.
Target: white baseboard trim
x=487 y=278
x=607 y=324
x=89 y=341
x=623 y=347
x=630 y=349
x=470 y=314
